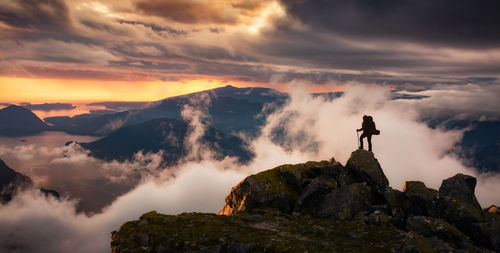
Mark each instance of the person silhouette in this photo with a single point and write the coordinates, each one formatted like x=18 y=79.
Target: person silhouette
x=368 y=128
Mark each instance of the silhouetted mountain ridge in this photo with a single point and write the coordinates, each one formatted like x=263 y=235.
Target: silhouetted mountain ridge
x=19 y=121
x=167 y=135
x=231 y=110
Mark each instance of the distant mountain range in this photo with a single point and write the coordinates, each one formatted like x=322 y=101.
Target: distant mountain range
x=231 y=110
x=164 y=134
x=480 y=145
x=12 y=181
x=19 y=121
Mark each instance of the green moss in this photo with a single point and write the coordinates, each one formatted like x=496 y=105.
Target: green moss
x=330 y=184
x=418 y=187
x=274 y=183
x=149 y=216
x=266 y=232
x=424 y=245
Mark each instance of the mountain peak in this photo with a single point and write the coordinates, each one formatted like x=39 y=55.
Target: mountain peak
x=332 y=208
x=17 y=121
x=15 y=108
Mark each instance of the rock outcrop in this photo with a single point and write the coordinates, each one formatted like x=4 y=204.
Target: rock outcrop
x=325 y=207
x=11 y=182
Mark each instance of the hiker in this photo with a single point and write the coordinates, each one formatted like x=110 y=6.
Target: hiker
x=369 y=129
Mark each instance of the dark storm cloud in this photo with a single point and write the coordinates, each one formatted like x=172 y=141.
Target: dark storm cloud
x=43 y=14
x=451 y=22
x=48 y=106
x=190 y=12
x=35 y=20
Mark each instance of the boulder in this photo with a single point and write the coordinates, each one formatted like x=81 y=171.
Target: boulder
x=395 y=200
x=313 y=194
x=492 y=209
x=487 y=233
x=345 y=202
x=366 y=168
x=461 y=187
x=433 y=227
x=422 y=200
x=333 y=172
x=460 y=214
x=277 y=188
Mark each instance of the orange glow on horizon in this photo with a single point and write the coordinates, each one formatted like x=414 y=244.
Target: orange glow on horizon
x=39 y=90
x=16 y=90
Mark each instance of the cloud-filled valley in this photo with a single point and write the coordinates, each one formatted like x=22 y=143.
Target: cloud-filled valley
x=311 y=128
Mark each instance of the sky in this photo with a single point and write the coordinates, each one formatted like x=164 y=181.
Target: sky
x=138 y=50
x=72 y=52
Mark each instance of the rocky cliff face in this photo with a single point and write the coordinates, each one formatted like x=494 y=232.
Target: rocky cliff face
x=326 y=207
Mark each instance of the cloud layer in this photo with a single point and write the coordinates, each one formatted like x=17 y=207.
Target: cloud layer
x=316 y=128
x=391 y=42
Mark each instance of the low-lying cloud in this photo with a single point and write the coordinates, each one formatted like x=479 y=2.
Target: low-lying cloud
x=314 y=128
x=460 y=102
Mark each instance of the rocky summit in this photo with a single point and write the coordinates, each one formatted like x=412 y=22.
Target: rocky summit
x=325 y=207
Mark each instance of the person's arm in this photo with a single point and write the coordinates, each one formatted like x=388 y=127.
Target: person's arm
x=362 y=127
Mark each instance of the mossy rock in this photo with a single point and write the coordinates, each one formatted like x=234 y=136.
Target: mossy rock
x=434 y=227
x=249 y=232
x=461 y=187
x=277 y=188
x=421 y=200
x=366 y=168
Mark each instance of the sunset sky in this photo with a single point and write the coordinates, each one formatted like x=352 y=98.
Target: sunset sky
x=138 y=50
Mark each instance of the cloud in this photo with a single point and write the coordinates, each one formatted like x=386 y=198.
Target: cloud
x=41 y=14
x=251 y=40
x=452 y=23
x=315 y=128
x=460 y=102
x=191 y=11
x=92 y=183
x=32 y=223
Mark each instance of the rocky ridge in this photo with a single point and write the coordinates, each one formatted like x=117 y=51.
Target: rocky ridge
x=325 y=207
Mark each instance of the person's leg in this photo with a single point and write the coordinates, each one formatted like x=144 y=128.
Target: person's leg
x=361 y=140
x=369 y=138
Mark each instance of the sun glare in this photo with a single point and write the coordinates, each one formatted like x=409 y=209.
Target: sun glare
x=274 y=9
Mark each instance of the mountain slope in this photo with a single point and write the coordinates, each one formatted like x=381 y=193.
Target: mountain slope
x=12 y=181
x=325 y=207
x=163 y=134
x=18 y=121
x=231 y=110
x=480 y=145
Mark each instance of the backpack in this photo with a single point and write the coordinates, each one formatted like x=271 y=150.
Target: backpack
x=371 y=126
